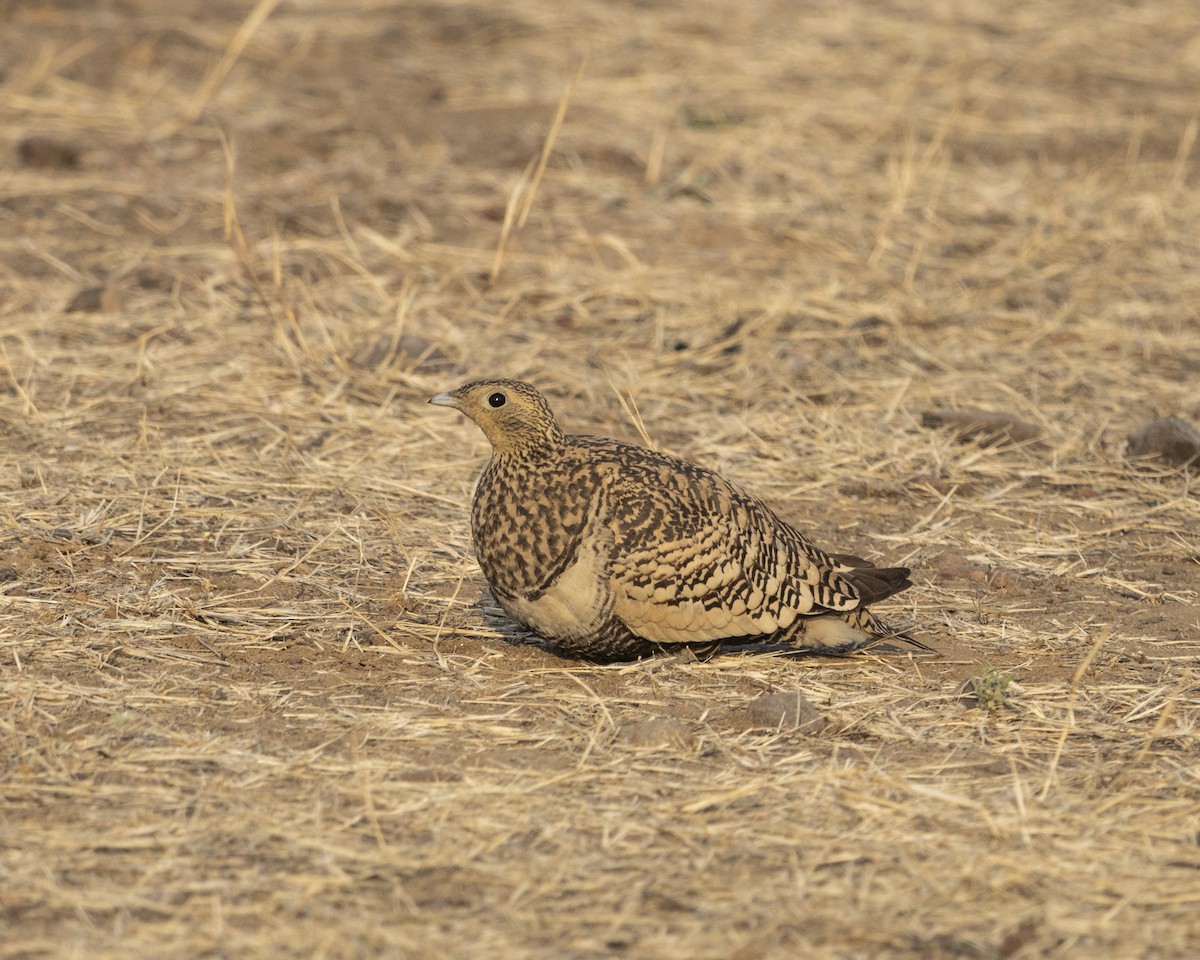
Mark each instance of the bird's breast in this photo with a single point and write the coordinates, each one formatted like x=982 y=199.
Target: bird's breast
x=527 y=522
x=576 y=604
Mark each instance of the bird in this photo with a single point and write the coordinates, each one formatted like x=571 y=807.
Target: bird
x=611 y=551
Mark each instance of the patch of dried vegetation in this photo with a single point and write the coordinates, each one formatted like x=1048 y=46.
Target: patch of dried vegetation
x=253 y=698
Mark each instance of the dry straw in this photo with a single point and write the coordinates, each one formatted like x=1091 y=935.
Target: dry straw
x=254 y=700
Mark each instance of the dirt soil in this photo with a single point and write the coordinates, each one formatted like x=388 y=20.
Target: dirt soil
x=913 y=272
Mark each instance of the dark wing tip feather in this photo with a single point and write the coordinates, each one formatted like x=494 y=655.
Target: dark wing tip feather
x=874 y=583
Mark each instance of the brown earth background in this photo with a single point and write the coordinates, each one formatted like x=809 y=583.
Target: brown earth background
x=254 y=698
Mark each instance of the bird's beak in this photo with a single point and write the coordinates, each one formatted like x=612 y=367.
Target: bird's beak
x=444 y=400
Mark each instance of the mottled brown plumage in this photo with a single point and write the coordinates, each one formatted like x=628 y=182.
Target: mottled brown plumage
x=613 y=551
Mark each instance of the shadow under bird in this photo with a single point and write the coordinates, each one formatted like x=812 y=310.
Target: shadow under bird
x=613 y=551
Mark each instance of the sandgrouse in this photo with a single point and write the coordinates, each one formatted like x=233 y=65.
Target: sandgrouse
x=612 y=551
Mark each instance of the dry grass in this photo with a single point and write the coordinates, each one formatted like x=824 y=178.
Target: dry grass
x=252 y=700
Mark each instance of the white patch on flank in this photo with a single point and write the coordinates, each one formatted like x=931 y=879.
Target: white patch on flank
x=577 y=603
x=831 y=632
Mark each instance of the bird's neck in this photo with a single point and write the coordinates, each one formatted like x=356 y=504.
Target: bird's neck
x=523 y=452
x=531 y=446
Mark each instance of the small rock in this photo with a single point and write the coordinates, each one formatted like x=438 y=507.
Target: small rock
x=657 y=732
x=48 y=154
x=874 y=330
x=1013 y=941
x=93 y=300
x=155 y=278
x=1171 y=438
x=952 y=565
x=986 y=427
x=787 y=711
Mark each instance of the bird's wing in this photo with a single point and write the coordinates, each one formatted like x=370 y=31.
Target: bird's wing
x=697 y=559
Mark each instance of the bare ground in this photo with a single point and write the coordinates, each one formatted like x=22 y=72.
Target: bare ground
x=254 y=699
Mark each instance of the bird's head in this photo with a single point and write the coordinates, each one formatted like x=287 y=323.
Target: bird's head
x=512 y=414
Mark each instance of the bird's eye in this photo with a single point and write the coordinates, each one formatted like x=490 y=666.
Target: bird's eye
x=497 y=400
